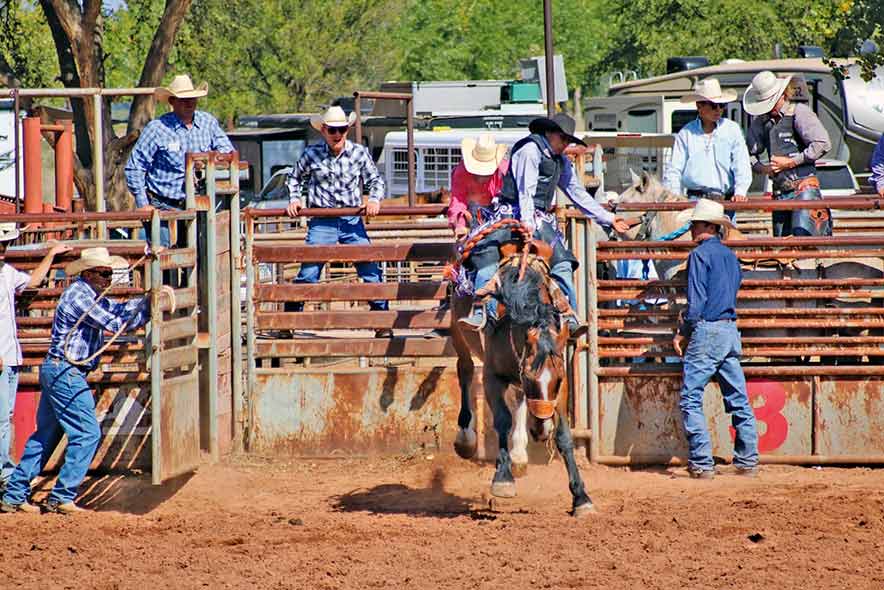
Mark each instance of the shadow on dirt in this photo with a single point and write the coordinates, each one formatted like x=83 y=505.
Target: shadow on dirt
x=127 y=494
x=432 y=501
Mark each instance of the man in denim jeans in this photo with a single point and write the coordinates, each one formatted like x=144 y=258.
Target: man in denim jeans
x=709 y=329
x=331 y=174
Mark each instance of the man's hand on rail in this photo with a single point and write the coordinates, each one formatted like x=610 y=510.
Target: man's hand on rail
x=294 y=208
x=372 y=208
x=146 y=209
x=621 y=225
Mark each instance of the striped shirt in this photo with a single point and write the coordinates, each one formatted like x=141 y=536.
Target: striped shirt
x=328 y=181
x=89 y=335
x=157 y=161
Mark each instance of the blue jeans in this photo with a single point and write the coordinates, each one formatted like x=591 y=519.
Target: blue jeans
x=714 y=349
x=66 y=407
x=337 y=230
x=483 y=275
x=563 y=273
x=8 y=389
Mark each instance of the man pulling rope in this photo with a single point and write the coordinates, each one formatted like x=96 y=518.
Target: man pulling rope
x=66 y=403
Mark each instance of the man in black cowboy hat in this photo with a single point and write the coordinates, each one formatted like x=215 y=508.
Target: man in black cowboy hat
x=537 y=168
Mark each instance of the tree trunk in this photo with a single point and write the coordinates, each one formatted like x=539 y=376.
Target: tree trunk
x=77 y=30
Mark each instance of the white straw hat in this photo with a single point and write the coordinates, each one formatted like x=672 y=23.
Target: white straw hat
x=482 y=156
x=764 y=92
x=708 y=211
x=182 y=87
x=333 y=117
x=8 y=231
x=710 y=90
x=95 y=258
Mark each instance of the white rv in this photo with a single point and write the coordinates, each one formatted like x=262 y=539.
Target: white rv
x=852 y=110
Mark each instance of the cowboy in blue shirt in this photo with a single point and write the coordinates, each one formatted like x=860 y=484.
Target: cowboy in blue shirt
x=709 y=329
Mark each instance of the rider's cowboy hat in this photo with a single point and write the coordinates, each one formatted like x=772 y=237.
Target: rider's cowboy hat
x=481 y=156
x=333 y=117
x=8 y=232
x=182 y=87
x=709 y=90
x=95 y=258
x=764 y=92
x=708 y=211
x=560 y=123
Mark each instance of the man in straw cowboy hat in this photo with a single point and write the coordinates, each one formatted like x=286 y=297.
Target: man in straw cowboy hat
x=12 y=282
x=329 y=175
x=709 y=157
x=66 y=403
x=155 y=169
x=537 y=168
x=794 y=139
x=708 y=328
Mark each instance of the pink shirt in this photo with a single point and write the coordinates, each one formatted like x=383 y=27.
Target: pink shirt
x=11 y=282
x=467 y=188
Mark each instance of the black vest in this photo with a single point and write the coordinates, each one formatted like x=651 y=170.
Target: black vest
x=783 y=140
x=549 y=172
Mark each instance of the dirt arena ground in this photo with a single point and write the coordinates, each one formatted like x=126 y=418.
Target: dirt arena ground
x=427 y=522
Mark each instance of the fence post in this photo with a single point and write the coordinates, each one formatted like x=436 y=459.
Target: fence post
x=154 y=358
x=250 y=332
x=210 y=298
x=593 y=363
x=236 y=307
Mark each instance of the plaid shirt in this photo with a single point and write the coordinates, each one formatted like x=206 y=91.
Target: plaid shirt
x=157 y=161
x=106 y=316
x=330 y=181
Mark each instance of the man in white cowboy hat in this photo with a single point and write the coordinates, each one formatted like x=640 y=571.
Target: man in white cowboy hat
x=537 y=168
x=709 y=157
x=155 y=169
x=330 y=175
x=66 y=402
x=475 y=181
x=13 y=282
x=708 y=327
x=794 y=139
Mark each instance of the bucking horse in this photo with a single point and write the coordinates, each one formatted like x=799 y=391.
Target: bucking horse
x=523 y=349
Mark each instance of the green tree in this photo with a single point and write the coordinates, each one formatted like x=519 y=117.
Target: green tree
x=26 y=52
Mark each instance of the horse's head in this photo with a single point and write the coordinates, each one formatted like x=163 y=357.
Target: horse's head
x=644 y=189
x=542 y=375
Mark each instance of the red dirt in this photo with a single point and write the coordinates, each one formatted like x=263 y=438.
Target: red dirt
x=428 y=523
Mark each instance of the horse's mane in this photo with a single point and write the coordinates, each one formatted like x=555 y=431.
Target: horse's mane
x=525 y=309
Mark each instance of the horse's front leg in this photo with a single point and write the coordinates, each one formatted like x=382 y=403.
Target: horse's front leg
x=466 y=443
x=581 y=504
x=503 y=485
x=519 y=452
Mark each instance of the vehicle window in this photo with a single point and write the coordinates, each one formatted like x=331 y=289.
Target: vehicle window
x=641 y=121
x=280 y=153
x=834 y=177
x=682 y=118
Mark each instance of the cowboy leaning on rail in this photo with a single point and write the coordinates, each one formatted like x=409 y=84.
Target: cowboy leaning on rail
x=537 y=168
x=156 y=167
x=12 y=282
x=709 y=329
x=794 y=139
x=66 y=403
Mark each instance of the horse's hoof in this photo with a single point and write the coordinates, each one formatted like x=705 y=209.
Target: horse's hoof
x=465 y=444
x=584 y=510
x=503 y=489
x=520 y=469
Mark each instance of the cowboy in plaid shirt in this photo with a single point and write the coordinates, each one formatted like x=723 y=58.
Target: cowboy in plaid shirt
x=66 y=402
x=329 y=175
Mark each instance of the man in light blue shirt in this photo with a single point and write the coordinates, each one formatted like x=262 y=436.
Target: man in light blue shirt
x=877 y=166
x=709 y=158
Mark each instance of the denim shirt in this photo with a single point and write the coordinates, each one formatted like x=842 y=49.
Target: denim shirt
x=714 y=277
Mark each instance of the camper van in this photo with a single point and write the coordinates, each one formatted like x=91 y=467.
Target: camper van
x=852 y=110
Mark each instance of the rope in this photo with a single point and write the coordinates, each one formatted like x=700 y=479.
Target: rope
x=514 y=224
x=117 y=334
